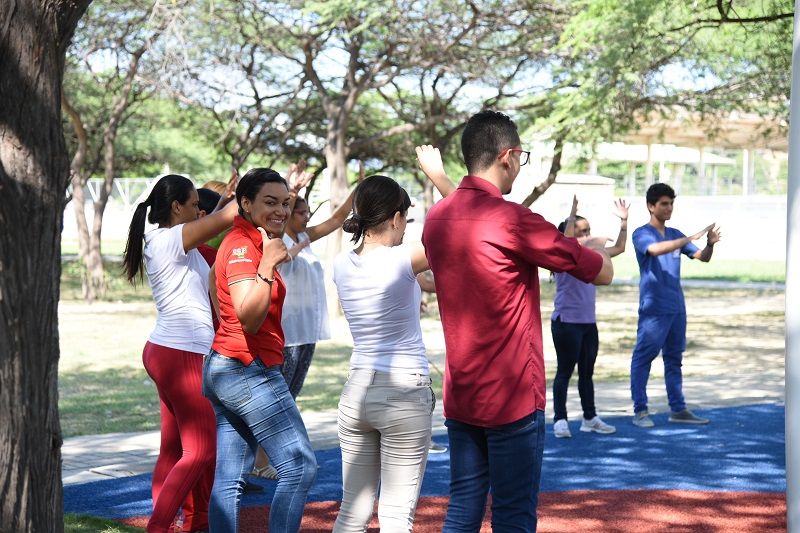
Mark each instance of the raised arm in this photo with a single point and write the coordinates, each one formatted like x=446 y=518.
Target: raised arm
x=426 y=282
x=665 y=247
x=621 y=210
x=430 y=161
x=251 y=297
x=339 y=216
x=714 y=236
x=606 y=274
x=333 y=223
x=229 y=194
x=212 y=290
x=297 y=178
x=419 y=262
x=569 y=230
x=198 y=231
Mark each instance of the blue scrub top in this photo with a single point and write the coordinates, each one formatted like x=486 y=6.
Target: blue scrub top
x=660 y=291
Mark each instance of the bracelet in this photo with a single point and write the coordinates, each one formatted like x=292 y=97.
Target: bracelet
x=710 y=245
x=265 y=278
x=623 y=229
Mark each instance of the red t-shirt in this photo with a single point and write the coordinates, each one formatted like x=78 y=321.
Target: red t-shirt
x=484 y=252
x=237 y=260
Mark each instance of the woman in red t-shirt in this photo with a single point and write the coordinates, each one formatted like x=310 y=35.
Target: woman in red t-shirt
x=241 y=375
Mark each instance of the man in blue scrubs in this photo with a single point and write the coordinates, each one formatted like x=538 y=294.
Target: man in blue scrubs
x=662 y=311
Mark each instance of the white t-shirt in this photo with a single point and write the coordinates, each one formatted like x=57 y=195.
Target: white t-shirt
x=180 y=288
x=305 y=309
x=380 y=297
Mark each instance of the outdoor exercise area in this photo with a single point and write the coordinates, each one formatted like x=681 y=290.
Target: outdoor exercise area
x=728 y=476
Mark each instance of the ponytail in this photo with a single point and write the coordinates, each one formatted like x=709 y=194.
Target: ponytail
x=168 y=189
x=133 y=258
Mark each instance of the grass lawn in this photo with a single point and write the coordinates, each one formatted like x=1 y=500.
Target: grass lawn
x=74 y=523
x=626 y=267
x=103 y=387
x=107 y=247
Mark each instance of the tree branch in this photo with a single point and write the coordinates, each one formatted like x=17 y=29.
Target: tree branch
x=555 y=166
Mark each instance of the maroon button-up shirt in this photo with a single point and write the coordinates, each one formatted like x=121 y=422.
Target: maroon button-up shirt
x=484 y=252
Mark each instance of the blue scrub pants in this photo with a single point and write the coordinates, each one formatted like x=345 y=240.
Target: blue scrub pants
x=659 y=333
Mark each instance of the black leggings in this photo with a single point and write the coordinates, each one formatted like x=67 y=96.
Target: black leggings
x=574 y=343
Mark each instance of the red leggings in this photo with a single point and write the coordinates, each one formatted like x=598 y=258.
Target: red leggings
x=184 y=471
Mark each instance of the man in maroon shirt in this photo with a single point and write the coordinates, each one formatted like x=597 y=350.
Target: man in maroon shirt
x=484 y=252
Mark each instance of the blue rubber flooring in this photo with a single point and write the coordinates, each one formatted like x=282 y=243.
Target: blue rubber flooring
x=741 y=450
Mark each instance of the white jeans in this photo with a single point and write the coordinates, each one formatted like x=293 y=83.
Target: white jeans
x=384 y=432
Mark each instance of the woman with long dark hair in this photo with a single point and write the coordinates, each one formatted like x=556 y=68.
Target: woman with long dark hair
x=241 y=374
x=173 y=355
x=386 y=405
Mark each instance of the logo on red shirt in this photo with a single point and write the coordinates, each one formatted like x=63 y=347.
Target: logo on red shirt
x=240 y=255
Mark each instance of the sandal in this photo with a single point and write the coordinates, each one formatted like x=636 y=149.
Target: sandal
x=267 y=472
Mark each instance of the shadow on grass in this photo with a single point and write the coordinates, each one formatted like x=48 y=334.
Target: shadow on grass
x=114 y=400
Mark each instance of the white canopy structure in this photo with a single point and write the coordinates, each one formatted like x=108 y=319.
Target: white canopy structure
x=734 y=131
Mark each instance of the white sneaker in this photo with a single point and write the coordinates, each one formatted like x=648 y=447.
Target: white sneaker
x=561 y=429
x=595 y=425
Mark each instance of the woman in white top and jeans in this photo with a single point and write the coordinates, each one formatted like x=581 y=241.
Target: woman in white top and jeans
x=386 y=405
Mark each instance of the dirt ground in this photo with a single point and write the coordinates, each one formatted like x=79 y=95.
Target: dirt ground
x=729 y=330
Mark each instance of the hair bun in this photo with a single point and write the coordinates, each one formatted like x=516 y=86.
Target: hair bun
x=353 y=224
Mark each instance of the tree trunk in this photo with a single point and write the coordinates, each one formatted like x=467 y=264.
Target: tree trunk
x=336 y=159
x=79 y=207
x=34 y=172
x=427 y=196
x=79 y=180
x=94 y=280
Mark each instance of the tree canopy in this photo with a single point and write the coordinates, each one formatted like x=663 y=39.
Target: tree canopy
x=276 y=79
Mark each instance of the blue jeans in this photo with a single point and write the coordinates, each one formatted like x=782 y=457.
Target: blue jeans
x=659 y=333
x=253 y=406
x=507 y=459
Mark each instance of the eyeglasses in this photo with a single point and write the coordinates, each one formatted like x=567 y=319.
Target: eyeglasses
x=523 y=155
x=303 y=213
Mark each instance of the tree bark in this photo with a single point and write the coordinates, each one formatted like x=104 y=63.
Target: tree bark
x=34 y=172
x=336 y=154
x=78 y=180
